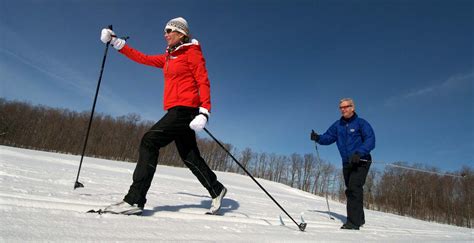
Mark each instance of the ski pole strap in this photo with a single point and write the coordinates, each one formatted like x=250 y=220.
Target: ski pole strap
x=317 y=150
x=204 y=114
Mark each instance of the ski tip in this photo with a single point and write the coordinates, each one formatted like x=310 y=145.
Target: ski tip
x=302 y=219
x=281 y=221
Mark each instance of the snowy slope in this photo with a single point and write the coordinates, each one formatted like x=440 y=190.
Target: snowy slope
x=37 y=202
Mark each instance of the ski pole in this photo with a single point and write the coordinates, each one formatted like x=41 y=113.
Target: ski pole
x=327 y=201
x=301 y=226
x=414 y=169
x=77 y=183
x=327 y=183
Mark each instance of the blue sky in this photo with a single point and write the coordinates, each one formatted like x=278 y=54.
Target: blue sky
x=277 y=68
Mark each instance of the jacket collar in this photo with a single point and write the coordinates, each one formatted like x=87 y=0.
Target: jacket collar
x=350 y=119
x=170 y=50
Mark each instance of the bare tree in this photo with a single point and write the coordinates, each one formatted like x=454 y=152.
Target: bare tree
x=296 y=164
x=426 y=196
x=245 y=158
x=309 y=164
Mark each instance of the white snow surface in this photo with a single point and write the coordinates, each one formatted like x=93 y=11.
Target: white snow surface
x=38 y=203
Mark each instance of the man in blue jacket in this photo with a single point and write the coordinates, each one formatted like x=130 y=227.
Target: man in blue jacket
x=355 y=139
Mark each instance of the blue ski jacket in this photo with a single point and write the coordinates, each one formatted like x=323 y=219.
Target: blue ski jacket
x=354 y=135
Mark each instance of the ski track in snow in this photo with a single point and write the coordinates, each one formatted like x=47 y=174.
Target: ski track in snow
x=38 y=203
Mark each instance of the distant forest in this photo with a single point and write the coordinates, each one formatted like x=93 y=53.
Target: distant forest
x=425 y=196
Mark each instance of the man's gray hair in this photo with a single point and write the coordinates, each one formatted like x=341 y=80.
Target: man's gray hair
x=348 y=100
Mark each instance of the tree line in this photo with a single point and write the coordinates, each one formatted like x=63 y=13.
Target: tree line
x=420 y=195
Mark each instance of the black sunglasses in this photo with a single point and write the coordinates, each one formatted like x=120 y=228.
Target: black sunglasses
x=167 y=31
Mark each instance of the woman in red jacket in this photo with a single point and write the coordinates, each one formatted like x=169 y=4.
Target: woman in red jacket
x=187 y=100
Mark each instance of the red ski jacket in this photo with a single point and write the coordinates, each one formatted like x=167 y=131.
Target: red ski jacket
x=185 y=74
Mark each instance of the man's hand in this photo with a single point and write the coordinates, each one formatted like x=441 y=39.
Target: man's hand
x=355 y=158
x=314 y=136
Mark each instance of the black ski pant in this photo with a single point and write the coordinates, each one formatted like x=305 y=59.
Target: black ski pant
x=354 y=178
x=174 y=126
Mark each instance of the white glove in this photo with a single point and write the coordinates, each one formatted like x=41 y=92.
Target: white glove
x=108 y=35
x=199 y=122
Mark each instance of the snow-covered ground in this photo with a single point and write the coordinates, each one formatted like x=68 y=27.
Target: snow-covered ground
x=38 y=203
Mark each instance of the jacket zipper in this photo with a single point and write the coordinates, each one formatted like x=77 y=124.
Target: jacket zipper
x=345 y=142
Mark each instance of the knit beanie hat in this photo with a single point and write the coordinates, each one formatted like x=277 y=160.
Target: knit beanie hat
x=178 y=24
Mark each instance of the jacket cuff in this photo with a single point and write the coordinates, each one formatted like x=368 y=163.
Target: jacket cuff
x=205 y=112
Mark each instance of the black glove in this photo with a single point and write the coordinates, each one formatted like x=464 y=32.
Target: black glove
x=314 y=136
x=355 y=158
